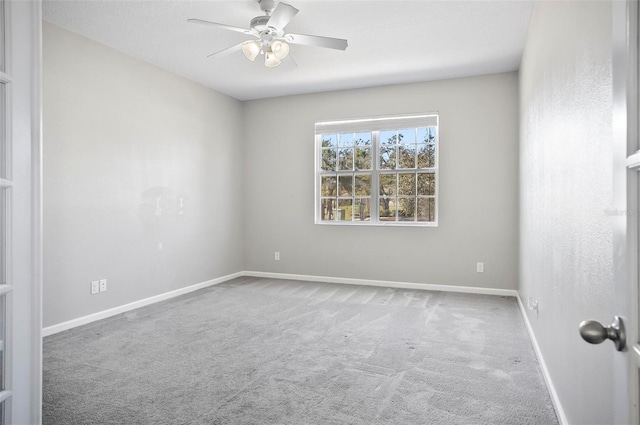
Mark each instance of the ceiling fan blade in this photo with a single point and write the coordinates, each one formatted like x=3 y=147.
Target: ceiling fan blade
x=281 y=16
x=227 y=51
x=288 y=64
x=223 y=26
x=293 y=62
x=317 y=41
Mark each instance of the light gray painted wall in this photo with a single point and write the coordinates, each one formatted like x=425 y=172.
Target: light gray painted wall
x=478 y=187
x=119 y=133
x=566 y=190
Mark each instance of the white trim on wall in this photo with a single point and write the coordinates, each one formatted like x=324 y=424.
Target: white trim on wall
x=70 y=324
x=36 y=216
x=562 y=418
x=385 y=283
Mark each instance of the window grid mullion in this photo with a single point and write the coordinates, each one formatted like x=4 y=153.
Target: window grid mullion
x=353 y=174
x=395 y=194
x=375 y=173
x=415 y=188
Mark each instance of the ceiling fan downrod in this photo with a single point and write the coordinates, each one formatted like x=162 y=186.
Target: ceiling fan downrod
x=267 y=6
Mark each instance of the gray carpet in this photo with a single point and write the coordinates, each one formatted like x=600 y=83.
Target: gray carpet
x=265 y=351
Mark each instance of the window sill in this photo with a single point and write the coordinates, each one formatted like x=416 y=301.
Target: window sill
x=376 y=224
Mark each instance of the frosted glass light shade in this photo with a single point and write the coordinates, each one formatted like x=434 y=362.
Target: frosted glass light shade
x=270 y=59
x=251 y=49
x=280 y=49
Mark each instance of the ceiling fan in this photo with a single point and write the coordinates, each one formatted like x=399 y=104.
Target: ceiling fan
x=270 y=38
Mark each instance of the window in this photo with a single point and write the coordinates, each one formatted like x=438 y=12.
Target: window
x=377 y=171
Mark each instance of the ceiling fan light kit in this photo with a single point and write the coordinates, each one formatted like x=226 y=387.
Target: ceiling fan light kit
x=270 y=59
x=271 y=39
x=280 y=49
x=251 y=49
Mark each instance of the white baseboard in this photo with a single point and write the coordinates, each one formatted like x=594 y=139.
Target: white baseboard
x=54 y=329
x=562 y=418
x=385 y=283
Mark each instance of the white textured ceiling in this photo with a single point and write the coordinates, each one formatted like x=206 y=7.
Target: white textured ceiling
x=389 y=41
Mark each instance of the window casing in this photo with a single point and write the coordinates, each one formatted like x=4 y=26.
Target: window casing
x=381 y=171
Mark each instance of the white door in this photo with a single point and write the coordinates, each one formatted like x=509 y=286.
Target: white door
x=6 y=184
x=626 y=198
x=20 y=146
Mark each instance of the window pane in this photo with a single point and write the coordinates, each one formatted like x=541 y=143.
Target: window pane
x=328 y=186
x=426 y=147
x=329 y=140
x=3 y=236
x=407 y=136
x=423 y=135
x=345 y=159
x=387 y=209
x=327 y=209
x=406 y=184
x=345 y=139
x=426 y=184
x=3 y=133
x=387 y=183
x=345 y=185
x=329 y=159
x=387 y=157
x=406 y=156
x=362 y=209
x=426 y=135
x=3 y=67
x=426 y=209
x=362 y=139
x=363 y=158
x=406 y=209
x=388 y=137
x=345 y=208
x=426 y=156
x=3 y=342
x=363 y=184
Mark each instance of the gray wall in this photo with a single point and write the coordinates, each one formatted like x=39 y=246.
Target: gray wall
x=478 y=187
x=566 y=190
x=119 y=133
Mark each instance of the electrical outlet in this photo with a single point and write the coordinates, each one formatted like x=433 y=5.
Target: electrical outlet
x=103 y=285
x=532 y=304
x=276 y=256
x=95 y=287
x=480 y=267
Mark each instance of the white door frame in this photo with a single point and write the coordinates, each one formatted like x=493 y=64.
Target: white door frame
x=25 y=26
x=626 y=164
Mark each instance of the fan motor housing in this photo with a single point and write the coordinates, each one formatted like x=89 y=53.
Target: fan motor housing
x=260 y=23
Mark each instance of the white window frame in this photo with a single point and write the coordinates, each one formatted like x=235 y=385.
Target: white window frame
x=375 y=126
